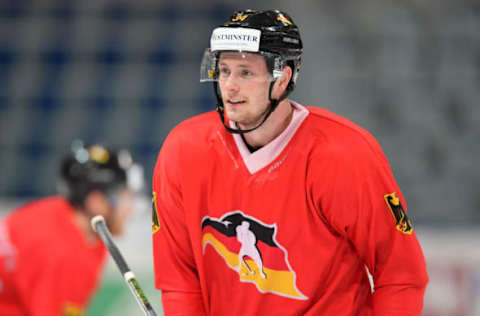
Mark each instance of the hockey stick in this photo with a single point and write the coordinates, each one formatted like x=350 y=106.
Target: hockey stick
x=98 y=224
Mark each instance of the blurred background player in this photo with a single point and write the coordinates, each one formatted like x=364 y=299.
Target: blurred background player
x=50 y=258
x=313 y=191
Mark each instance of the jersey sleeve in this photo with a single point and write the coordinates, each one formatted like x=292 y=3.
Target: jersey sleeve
x=174 y=265
x=358 y=196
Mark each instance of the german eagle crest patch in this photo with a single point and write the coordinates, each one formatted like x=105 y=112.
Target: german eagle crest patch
x=402 y=222
x=155 y=221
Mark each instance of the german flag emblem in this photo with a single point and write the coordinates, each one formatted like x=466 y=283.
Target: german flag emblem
x=155 y=221
x=248 y=246
x=402 y=222
x=282 y=18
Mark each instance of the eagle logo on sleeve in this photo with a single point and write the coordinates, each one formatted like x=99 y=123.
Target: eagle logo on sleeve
x=402 y=222
x=155 y=221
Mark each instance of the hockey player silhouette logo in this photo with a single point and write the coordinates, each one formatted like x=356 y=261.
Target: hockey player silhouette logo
x=248 y=247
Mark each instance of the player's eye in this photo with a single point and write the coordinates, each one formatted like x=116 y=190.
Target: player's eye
x=246 y=73
x=224 y=72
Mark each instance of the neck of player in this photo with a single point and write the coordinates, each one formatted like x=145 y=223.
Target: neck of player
x=275 y=124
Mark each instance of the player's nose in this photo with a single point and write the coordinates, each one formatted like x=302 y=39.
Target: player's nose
x=231 y=84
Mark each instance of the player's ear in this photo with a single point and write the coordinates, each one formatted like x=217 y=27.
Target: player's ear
x=287 y=75
x=96 y=203
x=282 y=82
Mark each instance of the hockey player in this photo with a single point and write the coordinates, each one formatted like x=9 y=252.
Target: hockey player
x=277 y=208
x=50 y=257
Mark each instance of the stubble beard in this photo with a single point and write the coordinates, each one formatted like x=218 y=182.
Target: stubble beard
x=248 y=119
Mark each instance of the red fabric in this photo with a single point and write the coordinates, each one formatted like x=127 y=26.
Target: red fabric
x=182 y=304
x=324 y=198
x=52 y=268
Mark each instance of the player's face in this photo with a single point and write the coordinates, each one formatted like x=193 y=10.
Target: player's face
x=121 y=206
x=244 y=82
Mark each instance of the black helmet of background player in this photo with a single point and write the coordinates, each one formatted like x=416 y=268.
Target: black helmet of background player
x=270 y=33
x=94 y=167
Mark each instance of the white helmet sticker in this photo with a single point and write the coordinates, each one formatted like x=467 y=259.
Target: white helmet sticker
x=241 y=39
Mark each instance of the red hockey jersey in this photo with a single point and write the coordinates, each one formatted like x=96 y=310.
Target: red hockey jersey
x=289 y=229
x=47 y=266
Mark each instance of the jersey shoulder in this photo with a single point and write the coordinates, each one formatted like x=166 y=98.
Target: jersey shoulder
x=340 y=135
x=192 y=136
x=188 y=142
x=197 y=126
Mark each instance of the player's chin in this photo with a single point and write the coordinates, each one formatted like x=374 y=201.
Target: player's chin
x=234 y=114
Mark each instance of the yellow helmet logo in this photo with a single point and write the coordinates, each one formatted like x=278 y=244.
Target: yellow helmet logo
x=98 y=154
x=239 y=17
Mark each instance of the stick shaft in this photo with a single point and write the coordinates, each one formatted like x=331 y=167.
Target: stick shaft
x=102 y=230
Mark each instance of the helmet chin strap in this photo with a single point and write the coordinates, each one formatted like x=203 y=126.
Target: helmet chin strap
x=221 y=108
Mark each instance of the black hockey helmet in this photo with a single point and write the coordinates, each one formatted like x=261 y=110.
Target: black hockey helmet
x=270 y=33
x=93 y=167
x=279 y=35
